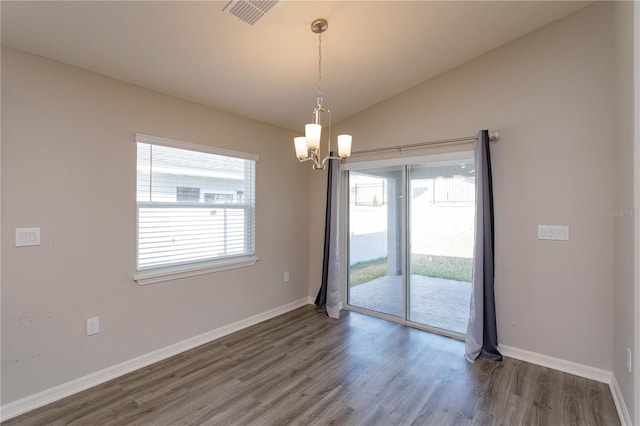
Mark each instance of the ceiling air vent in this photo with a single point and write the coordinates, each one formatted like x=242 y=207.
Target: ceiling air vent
x=249 y=11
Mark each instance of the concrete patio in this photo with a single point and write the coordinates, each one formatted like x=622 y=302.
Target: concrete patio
x=436 y=302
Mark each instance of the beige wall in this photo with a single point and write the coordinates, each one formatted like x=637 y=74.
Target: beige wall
x=68 y=166
x=550 y=95
x=623 y=220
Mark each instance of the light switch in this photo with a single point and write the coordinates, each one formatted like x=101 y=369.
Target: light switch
x=27 y=237
x=549 y=232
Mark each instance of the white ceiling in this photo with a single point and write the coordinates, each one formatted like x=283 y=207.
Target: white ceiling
x=268 y=72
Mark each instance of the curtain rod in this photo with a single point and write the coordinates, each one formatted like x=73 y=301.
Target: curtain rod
x=492 y=137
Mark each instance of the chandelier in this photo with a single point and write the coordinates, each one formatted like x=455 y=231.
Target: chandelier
x=308 y=147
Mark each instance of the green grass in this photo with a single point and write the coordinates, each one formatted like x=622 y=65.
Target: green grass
x=363 y=272
x=451 y=268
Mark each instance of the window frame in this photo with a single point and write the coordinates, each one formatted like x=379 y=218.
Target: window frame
x=152 y=275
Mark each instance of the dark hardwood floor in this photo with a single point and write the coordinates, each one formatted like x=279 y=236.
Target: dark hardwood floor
x=304 y=368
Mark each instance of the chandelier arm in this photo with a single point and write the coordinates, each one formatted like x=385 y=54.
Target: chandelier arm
x=330 y=157
x=314 y=155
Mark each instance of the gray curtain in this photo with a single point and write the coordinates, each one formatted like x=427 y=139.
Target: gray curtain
x=482 y=334
x=328 y=299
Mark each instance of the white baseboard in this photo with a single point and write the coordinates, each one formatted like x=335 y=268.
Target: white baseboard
x=23 y=405
x=574 y=368
x=618 y=399
x=570 y=367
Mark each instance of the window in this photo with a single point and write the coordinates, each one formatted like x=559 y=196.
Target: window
x=196 y=209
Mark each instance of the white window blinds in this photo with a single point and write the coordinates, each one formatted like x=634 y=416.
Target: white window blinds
x=193 y=205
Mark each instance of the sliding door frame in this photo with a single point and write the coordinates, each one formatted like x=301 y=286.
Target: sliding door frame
x=344 y=221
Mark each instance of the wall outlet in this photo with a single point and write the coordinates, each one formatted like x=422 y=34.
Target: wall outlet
x=286 y=277
x=629 y=360
x=93 y=326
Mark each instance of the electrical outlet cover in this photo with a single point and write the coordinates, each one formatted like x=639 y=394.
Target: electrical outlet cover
x=93 y=326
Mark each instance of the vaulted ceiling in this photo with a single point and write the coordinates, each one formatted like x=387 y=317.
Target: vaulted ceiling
x=372 y=50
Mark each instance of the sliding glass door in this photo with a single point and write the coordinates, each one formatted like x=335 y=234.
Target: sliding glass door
x=441 y=222
x=410 y=241
x=375 y=240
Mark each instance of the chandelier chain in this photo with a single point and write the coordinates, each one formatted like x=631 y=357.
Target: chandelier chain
x=320 y=65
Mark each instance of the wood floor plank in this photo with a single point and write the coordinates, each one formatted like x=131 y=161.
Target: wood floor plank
x=302 y=368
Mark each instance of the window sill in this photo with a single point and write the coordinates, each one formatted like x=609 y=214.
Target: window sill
x=173 y=273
